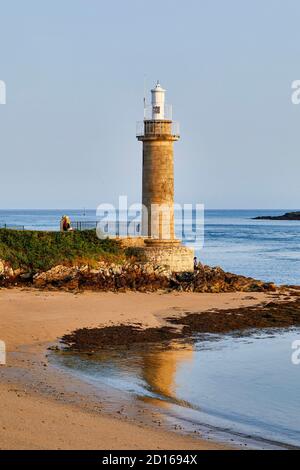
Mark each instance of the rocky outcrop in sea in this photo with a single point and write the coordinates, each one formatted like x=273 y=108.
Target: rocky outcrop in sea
x=286 y=216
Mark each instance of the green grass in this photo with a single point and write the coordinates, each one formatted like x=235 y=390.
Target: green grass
x=37 y=251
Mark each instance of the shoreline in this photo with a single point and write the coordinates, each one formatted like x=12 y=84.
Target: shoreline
x=30 y=320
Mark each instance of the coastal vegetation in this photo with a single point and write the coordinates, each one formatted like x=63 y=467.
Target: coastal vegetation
x=40 y=251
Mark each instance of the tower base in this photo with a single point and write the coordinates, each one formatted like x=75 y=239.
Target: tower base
x=176 y=257
x=169 y=253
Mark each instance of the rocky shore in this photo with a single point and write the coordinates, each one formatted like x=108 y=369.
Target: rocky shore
x=141 y=277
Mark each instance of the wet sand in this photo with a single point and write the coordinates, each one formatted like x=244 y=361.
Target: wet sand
x=42 y=408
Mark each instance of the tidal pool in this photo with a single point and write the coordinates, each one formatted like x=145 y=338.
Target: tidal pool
x=242 y=386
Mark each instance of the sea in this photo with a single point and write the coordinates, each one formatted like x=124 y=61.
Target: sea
x=264 y=249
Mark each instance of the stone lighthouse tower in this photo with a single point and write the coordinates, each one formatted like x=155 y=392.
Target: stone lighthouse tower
x=158 y=132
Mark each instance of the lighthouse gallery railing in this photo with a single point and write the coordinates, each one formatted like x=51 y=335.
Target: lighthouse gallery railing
x=157 y=128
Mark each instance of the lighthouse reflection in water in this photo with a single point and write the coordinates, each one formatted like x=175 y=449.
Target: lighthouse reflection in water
x=246 y=385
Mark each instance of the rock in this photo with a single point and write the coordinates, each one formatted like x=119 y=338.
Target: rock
x=26 y=276
x=18 y=272
x=2 y=267
x=57 y=275
x=214 y=280
x=6 y=272
x=83 y=269
x=270 y=286
x=94 y=271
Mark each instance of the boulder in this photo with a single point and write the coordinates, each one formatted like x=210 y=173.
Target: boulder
x=2 y=267
x=56 y=276
x=6 y=272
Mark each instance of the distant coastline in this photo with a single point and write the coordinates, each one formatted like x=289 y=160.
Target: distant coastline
x=286 y=216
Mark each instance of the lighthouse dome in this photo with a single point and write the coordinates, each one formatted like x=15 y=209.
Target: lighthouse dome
x=158 y=87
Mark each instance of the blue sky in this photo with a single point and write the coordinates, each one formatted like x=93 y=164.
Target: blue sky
x=75 y=69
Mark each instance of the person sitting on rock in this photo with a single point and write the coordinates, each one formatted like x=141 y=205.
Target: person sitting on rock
x=65 y=224
x=195 y=263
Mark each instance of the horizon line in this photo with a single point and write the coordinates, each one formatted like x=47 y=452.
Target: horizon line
x=93 y=209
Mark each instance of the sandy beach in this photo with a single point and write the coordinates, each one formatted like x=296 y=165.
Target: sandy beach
x=43 y=409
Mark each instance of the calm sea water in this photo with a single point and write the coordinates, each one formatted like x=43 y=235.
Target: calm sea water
x=241 y=386
x=267 y=250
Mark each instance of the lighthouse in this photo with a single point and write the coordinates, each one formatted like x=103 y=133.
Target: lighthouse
x=158 y=133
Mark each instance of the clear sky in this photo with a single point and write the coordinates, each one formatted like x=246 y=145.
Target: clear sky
x=74 y=71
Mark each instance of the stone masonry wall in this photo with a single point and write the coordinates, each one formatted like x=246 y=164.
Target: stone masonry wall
x=176 y=258
x=158 y=187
